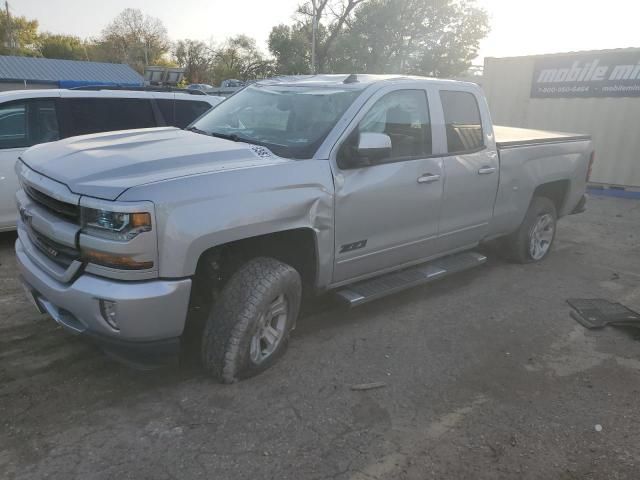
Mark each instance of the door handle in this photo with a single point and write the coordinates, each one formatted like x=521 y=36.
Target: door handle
x=428 y=178
x=486 y=170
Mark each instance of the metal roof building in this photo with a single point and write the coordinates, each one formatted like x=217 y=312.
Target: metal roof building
x=29 y=72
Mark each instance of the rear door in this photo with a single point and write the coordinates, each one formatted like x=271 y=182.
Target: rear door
x=23 y=123
x=386 y=213
x=470 y=164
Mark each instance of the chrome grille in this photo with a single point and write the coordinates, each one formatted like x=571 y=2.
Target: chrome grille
x=54 y=251
x=67 y=210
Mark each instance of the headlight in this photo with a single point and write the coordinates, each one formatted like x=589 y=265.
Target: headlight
x=113 y=237
x=114 y=225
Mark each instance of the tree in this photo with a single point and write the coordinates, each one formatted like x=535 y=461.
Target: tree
x=134 y=38
x=18 y=35
x=292 y=45
x=196 y=58
x=332 y=16
x=290 y=48
x=422 y=37
x=236 y=58
x=166 y=61
x=240 y=58
x=65 y=47
x=452 y=47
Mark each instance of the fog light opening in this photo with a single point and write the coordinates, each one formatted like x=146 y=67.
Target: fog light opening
x=110 y=313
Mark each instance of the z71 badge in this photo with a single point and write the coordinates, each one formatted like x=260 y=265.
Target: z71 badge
x=348 y=247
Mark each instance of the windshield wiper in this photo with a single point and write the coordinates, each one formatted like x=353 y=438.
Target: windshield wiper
x=237 y=138
x=196 y=130
x=229 y=136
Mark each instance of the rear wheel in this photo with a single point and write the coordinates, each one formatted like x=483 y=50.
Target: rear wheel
x=248 y=326
x=532 y=241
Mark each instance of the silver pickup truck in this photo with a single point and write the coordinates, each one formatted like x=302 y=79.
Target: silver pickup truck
x=360 y=185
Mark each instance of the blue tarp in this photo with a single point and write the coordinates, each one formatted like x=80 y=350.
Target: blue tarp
x=615 y=192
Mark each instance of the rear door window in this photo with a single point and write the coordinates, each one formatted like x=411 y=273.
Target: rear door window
x=167 y=110
x=132 y=113
x=93 y=115
x=180 y=113
x=462 y=121
x=44 y=122
x=186 y=111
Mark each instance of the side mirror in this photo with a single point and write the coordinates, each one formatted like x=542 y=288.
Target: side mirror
x=374 y=147
x=364 y=149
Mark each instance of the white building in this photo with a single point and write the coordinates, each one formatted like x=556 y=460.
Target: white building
x=595 y=92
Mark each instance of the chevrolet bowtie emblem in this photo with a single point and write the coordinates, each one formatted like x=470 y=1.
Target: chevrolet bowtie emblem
x=25 y=215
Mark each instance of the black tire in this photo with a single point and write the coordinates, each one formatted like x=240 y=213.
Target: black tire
x=235 y=318
x=518 y=243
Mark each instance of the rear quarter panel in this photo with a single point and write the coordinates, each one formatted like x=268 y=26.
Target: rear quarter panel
x=525 y=167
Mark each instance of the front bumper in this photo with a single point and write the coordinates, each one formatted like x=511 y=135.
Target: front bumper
x=150 y=314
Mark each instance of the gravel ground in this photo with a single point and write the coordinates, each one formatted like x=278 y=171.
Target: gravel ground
x=486 y=376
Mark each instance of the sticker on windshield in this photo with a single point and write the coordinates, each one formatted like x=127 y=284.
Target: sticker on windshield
x=262 y=152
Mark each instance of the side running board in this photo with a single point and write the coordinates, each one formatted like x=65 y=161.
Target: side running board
x=393 y=282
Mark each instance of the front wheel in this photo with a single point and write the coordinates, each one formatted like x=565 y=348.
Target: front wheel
x=532 y=241
x=249 y=324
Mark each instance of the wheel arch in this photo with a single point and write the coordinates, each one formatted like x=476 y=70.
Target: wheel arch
x=556 y=191
x=297 y=247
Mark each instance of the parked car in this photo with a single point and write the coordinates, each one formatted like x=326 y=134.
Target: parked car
x=232 y=83
x=199 y=86
x=360 y=185
x=30 y=117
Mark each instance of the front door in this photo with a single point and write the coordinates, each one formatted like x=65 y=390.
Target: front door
x=386 y=213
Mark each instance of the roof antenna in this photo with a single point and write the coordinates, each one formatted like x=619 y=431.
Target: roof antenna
x=353 y=78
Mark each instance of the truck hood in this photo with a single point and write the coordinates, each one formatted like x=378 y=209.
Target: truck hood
x=104 y=165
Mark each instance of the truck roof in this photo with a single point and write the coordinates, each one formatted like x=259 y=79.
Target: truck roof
x=353 y=80
x=106 y=93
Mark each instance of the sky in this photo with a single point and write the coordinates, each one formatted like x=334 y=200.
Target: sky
x=518 y=27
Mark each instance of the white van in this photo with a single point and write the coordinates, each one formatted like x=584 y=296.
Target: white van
x=30 y=117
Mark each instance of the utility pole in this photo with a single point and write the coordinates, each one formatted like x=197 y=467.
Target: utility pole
x=314 y=30
x=9 y=33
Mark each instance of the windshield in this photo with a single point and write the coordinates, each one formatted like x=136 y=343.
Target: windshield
x=290 y=121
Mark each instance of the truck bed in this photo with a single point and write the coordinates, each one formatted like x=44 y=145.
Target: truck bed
x=513 y=137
